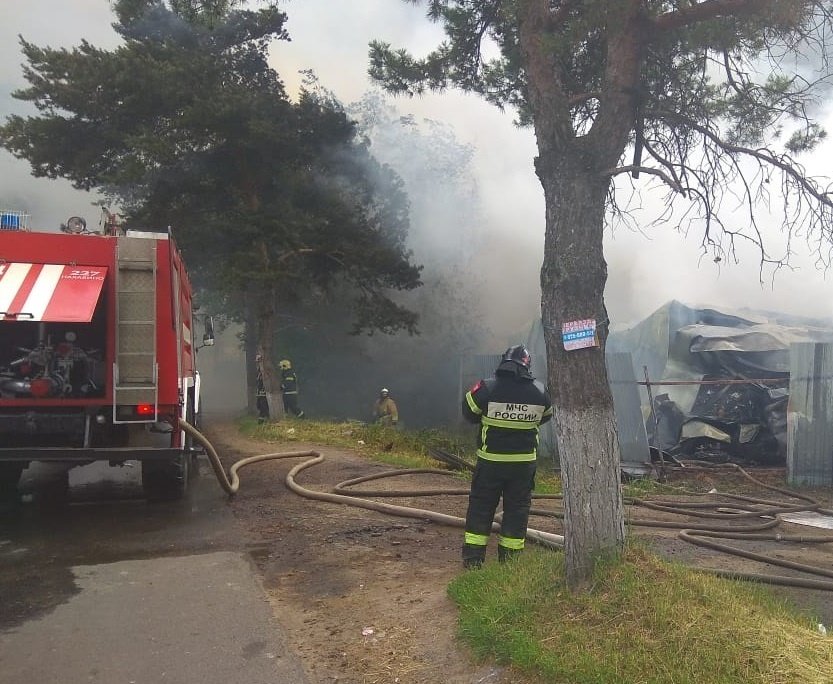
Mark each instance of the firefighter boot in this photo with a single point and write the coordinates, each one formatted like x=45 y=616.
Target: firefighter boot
x=473 y=556
x=506 y=554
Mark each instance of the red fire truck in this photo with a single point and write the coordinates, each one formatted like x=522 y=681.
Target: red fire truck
x=97 y=353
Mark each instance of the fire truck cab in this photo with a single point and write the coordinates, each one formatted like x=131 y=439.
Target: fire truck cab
x=97 y=353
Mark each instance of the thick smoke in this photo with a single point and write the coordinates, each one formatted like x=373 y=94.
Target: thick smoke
x=448 y=236
x=503 y=241
x=48 y=202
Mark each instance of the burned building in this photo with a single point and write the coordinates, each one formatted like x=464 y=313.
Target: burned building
x=716 y=384
x=694 y=382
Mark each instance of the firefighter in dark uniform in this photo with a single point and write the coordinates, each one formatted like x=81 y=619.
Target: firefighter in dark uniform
x=509 y=407
x=260 y=393
x=289 y=389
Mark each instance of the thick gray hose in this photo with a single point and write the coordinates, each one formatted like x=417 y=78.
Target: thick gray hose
x=231 y=484
x=691 y=533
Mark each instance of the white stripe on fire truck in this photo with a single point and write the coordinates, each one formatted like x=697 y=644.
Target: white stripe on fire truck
x=42 y=292
x=10 y=282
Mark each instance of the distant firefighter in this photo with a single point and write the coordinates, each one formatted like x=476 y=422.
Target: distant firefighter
x=384 y=410
x=289 y=389
x=260 y=393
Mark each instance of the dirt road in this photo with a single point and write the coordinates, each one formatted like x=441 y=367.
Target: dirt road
x=363 y=593
x=354 y=596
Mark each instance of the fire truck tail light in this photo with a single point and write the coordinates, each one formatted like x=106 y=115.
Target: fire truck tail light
x=145 y=410
x=140 y=413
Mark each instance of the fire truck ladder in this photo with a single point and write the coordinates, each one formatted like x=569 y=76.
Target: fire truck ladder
x=135 y=370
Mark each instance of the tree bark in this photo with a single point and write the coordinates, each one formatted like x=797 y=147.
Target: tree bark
x=574 y=172
x=265 y=339
x=573 y=278
x=250 y=347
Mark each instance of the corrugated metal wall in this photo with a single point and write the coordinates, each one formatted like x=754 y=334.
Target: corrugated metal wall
x=630 y=424
x=810 y=415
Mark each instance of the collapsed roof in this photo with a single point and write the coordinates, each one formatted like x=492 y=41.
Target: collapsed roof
x=680 y=342
x=717 y=420
x=713 y=420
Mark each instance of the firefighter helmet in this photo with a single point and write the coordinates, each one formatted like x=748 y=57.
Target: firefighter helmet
x=285 y=364
x=519 y=354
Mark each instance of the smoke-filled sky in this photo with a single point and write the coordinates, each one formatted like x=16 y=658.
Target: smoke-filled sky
x=331 y=37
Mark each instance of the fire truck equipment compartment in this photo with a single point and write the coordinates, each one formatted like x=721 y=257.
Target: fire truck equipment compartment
x=55 y=293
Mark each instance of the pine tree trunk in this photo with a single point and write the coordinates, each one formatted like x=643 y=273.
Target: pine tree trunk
x=573 y=278
x=250 y=347
x=265 y=346
x=574 y=169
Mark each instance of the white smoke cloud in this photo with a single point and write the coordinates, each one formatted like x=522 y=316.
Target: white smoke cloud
x=646 y=268
x=332 y=39
x=55 y=23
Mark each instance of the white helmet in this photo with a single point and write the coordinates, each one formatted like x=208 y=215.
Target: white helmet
x=384 y=391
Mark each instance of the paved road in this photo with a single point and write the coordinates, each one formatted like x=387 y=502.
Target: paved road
x=113 y=590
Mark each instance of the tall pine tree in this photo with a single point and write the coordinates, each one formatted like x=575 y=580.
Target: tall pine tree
x=690 y=92
x=186 y=125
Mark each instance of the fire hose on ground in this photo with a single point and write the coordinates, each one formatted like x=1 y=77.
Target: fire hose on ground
x=698 y=534
x=231 y=484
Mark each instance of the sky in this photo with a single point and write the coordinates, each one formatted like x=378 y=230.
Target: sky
x=646 y=267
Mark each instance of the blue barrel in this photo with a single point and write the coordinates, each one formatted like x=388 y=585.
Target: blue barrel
x=9 y=221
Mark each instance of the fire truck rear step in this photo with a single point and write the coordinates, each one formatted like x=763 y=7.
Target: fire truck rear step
x=135 y=371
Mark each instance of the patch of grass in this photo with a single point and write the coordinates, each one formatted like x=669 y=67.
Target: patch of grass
x=548 y=484
x=401 y=448
x=643 y=620
x=645 y=485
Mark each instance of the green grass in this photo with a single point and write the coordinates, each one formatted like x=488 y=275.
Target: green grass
x=401 y=448
x=643 y=621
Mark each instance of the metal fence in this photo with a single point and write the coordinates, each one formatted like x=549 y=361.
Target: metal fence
x=810 y=415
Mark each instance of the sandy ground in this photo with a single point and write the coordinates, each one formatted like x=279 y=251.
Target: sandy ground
x=363 y=594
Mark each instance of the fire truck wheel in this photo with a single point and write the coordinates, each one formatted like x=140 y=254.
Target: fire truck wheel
x=166 y=480
x=9 y=477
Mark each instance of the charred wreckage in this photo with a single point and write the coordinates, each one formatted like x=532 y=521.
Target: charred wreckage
x=716 y=385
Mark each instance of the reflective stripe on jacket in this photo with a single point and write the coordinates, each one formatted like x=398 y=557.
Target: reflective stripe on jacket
x=289 y=382
x=510 y=408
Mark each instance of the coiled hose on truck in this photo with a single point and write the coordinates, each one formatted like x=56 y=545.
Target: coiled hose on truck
x=697 y=534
